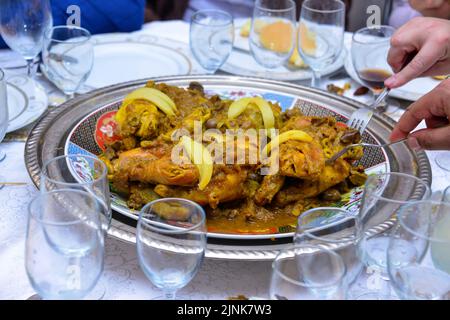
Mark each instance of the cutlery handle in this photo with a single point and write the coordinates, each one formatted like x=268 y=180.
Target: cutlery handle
x=390 y=144
x=13 y=184
x=380 y=98
x=396 y=142
x=343 y=151
x=386 y=90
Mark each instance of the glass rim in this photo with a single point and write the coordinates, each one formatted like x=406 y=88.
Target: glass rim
x=405 y=175
x=290 y=253
x=225 y=14
x=359 y=31
x=445 y=192
x=44 y=171
x=401 y=220
x=86 y=38
x=342 y=7
x=291 y=2
x=309 y=232
x=41 y=195
x=141 y=219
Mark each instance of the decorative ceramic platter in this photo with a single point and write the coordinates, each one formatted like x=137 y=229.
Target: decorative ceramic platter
x=97 y=128
x=82 y=125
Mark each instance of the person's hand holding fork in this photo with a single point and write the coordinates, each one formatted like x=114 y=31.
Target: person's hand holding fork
x=429 y=39
x=434 y=108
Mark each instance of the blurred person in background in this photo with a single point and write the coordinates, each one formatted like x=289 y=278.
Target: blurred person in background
x=393 y=12
x=237 y=8
x=405 y=10
x=99 y=16
x=432 y=8
x=401 y=13
x=165 y=10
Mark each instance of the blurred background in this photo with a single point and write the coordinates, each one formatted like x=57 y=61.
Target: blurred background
x=129 y=15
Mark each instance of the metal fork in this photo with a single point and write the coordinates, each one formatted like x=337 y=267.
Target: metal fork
x=361 y=117
x=343 y=151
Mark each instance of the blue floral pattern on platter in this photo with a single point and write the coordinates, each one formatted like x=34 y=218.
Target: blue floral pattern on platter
x=350 y=201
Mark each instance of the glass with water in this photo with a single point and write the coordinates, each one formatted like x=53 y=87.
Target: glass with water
x=68 y=57
x=211 y=38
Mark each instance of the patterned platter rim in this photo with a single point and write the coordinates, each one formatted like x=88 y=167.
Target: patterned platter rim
x=89 y=134
x=48 y=136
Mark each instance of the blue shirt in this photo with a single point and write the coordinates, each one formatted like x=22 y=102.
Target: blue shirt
x=100 y=16
x=237 y=8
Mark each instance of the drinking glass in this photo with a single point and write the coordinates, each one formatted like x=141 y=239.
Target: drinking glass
x=384 y=194
x=22 y=26
x=373 y=295
x=171 y=242
x=370 y=47
x=211 y=38
x=321 y=35
x=3 y=112
x=307 y=272
x=335 y=229
x=446 y=195
x=64 y=247
x=419 y=252
x=443 y=160
x=68 y=57
x=79 y=172
x=272 y=34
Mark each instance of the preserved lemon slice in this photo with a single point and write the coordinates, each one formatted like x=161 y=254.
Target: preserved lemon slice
x=259 y=24
x=247 y=26
x=288 y=135
x=152 y=91
x=277 y=36
x=296 y=60
x=307 y=40
x=201 y=157
x=266 y=111
x=239 y=106
x=245 y=29
x=158 y=98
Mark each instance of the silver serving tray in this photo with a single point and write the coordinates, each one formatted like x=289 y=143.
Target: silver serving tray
x=47 y=140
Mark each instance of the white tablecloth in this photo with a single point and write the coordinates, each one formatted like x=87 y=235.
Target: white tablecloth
x=122 y=277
